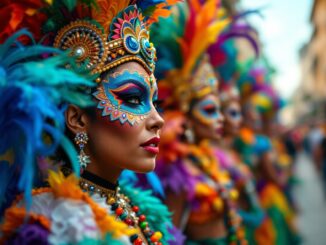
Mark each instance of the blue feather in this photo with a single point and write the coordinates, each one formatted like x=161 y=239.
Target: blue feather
x=32 y=88
x=145 y=181
x=145 y=4
x=128 y=176
x=155 y=183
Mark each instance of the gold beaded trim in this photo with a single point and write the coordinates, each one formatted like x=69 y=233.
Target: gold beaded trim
x=87 y=185
x=120 y=61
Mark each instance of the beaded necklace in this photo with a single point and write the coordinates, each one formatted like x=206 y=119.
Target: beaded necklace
x=122 y=206
x=202 y=157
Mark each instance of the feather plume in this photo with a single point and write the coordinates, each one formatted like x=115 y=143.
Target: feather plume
x=32 y=91
x=204 y=23
x=106 y=10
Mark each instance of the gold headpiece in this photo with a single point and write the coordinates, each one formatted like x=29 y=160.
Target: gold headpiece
x=202 y=82
x=101 y=34
x=124 y=39
x=229 y=92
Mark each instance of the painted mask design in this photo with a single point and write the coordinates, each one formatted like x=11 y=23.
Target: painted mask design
x=207 y=111
x=127 y=96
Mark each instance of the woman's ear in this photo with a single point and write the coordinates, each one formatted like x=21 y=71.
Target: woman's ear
x=76 y=119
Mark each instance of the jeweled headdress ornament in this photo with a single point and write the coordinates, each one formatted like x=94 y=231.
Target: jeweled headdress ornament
x=229 y=92
x=123 y=39
x=101 y=34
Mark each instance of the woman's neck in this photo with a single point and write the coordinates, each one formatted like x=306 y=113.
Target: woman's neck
x=227 y=142
x=109 y=173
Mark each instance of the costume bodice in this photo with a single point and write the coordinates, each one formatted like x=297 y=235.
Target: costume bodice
x=213 y=185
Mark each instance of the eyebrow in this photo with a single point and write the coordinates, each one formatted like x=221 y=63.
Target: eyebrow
x=131 y=84
x=140 y=84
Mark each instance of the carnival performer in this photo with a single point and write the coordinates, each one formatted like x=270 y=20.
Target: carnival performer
x=198 y=192
x=224 y=57
x=100 y=93
x=249 y=207
x=279 y=225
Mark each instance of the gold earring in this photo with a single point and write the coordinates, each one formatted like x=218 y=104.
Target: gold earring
x=189 y=133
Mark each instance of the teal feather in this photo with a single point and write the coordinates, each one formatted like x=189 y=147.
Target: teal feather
x=164 y=35
x=70 y=4
x=5 y=47
x=32 y=91
x=157 y=214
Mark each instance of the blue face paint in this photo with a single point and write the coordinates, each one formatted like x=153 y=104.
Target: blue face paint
x=207 y=111
x=234 y=114
x=127 y=96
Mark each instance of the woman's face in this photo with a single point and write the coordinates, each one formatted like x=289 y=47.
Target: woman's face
x=126 y=131
x=252 y=117
x=206 y=118
x=233 y=118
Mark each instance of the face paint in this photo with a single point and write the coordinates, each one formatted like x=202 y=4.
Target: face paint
x=207 y=111
x=127 y=96
x=234 y=114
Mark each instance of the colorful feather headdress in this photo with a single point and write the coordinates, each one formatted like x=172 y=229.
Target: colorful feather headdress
x=224 y=54
x=33 y=92
x=255 y=85
x=183 y=68
x=101 y=34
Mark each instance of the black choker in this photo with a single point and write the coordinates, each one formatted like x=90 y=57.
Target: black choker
x=86 y=175
x=93 y=184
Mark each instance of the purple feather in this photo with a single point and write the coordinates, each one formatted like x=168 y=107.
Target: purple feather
x=176 y=178
x=179 y=238
x=29 y=234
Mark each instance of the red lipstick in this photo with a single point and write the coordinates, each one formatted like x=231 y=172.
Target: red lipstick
x=151 y=145
x=219 y=130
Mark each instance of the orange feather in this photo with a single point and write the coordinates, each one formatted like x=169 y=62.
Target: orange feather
x=107 y=9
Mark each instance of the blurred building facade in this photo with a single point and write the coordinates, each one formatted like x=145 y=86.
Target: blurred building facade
x=309 y=101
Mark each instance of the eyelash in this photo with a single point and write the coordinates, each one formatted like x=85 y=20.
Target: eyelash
x=158 y=105
x=135 y=100
x=210 y=110
x=132 y=100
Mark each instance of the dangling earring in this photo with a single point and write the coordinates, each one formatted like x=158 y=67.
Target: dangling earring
x=81 y=139
x=189 y=133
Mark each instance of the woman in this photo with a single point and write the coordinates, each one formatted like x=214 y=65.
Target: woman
x=259 y=153
x=250 y=210
x=110 y=41
x=198 y=193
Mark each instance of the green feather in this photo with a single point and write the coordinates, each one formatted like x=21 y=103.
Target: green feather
x=70 y=4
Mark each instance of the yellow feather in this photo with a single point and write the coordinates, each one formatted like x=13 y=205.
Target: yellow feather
x=208 y=25
x=199 y=44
